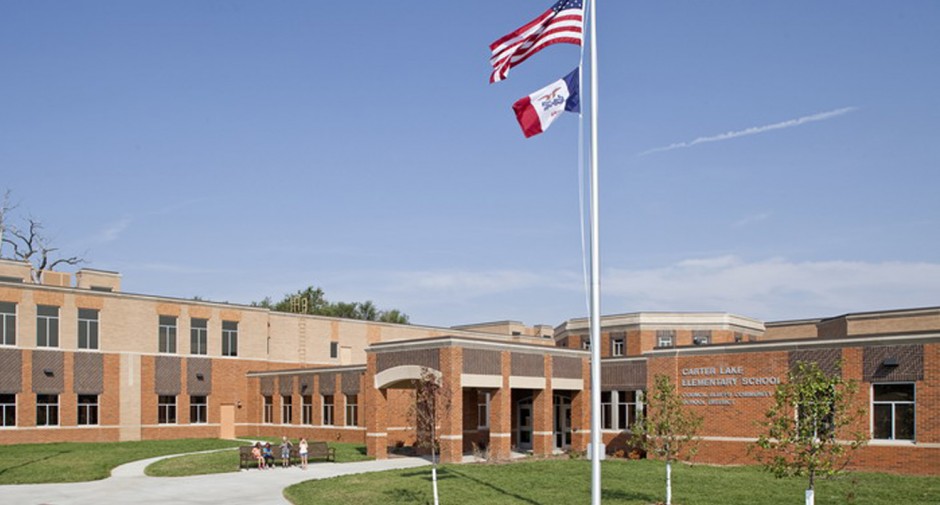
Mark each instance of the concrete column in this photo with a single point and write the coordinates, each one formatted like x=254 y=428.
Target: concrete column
x=451 y=416
x=501 y=414
x=375 y=409
x=543 y=414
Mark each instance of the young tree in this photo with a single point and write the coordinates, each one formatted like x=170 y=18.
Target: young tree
x=810 y=410
x=432 y=402
x=668 y=428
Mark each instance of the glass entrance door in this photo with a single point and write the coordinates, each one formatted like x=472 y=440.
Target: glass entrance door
x=524 y=428
x=562 y=423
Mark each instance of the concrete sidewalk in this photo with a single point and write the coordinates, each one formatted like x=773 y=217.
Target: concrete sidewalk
x=128 y=484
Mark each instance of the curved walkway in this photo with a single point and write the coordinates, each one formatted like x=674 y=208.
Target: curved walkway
x=129 y=485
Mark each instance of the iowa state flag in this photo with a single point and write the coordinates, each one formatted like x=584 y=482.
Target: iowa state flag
x=537 y=111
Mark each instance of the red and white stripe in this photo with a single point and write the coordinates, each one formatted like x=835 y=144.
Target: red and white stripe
x=545 y=30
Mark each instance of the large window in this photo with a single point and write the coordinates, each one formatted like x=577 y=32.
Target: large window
x=229 y=338
x=287 y=409
x=87 y=410
x=307 y=409
x=620 y=409
x=47 y=326
x=268 y=412
x=483 y=411
x=47 y=410
x=352 y=410
x=7 y=410
x=167 y=334
x=328 y=410
x=166 y=409
x=893 y=411
x=87 y=329
x=7 y=323
x=198 y=336
x=198 y=410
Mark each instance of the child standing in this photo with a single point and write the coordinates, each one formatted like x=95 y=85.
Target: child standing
x=285 y=451
x=303 y=452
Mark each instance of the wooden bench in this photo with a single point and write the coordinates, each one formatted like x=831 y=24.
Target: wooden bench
x=245 y=459
x=320 y=450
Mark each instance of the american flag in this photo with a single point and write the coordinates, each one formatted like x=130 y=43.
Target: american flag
x=561 y=23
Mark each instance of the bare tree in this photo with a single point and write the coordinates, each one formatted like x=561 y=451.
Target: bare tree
x=32 y=246
x=5 y=208
x=432 y=401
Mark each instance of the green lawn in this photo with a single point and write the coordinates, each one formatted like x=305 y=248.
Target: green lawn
x=550 y=482
x=76 y=462
x=227 y=461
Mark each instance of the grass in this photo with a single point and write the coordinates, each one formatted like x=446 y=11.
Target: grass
x=227 y=461
x=549 y=482
x=77 y=462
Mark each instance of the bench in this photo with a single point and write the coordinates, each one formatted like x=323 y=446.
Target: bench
x=320 y=450
x=245 y=459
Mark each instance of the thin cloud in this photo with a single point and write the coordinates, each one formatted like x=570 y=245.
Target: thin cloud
x=752 y=219
x=754 y=130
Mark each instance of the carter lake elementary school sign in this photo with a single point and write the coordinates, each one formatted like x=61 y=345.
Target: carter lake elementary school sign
x=724 y=378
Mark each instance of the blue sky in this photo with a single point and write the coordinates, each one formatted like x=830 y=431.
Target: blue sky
x=773 y=159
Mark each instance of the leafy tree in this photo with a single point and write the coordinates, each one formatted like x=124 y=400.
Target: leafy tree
x=668 y=427
x=312 y=301
x=809 y=412
x=432 y=402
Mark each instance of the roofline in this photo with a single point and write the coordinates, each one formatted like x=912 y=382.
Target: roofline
x=796 y=344
x=473 y=343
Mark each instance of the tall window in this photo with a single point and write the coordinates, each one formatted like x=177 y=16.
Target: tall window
x=7 y=323
x=87 y=329
x=166 y=409
x=352 y=410
x=198 y=336
x=328 y=410
x=268 y=411
x=307 y=409
x=483 y=411
x=607 y=410
x=87 y=410
x=7 y=410
x=334 y=349
x=893 y=411
x=229 y=338
x=619 y=409
x=167 y=334
x=47 y=410
x=665 y=338
x=617 y=347
x=586 y=343
x=198 y=410
x=47 y=326
x=287 y=409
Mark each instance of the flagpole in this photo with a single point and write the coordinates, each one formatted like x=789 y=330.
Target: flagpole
x=595 y=316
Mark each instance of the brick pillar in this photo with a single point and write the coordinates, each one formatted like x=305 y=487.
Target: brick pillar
x=852 y=358
x=581 y=411
x=375 y=408
x=316 y=401
x=68 y=401
x=543 y=414
x=501 y=414
x=451 y=417
x=339 y=401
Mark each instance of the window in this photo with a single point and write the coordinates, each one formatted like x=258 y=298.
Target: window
x=738 y=337
x=617 y=347
x=287 y=409
x=7 y=410
x=307 y=409
x=167 y=334
x=198 y=410
x=334 y=349
x=483 y=411
x=701 y=337
x=7 y=323
x=87 y=329
x=166 y=409
x=198 y=336
x=87 y=410
x=47 y=326
x=893 y=411
x=665 y=338
x=268 y=410
x=328 y=410
x=47 y=410
x=586 y=343
x=229 y=338
x=607 y=410
x=352 y=410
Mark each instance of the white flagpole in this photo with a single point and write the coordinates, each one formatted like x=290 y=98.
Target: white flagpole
x=595 y=316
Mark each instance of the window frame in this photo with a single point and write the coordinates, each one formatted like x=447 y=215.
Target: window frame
x=198 y=411
x=230 y=338
x=667 y=336
x=352 y=410
x=267 y=409
x=167 y=334
x=166 y=410
x=47 y=327
x=8 y=324
x=912 y=403
x=328 y=418
x=88 y=411
x=618 y=346
x=89 y=326
x=5 y=407
x=306 y=410
x=198 y=336
x=483 y=412
x=287 y=409
x=48 y=409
